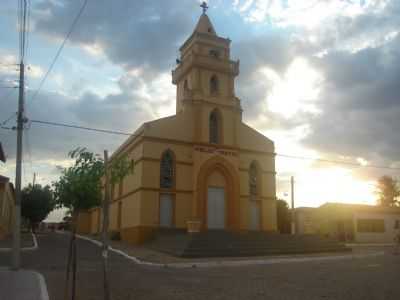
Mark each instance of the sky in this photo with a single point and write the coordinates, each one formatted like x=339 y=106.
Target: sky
x=318 y=77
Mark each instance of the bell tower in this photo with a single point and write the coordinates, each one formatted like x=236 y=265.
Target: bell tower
x=204 y=70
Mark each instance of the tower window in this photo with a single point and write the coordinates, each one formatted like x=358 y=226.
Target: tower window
x=214 y=84
x=167 y=170
x=215 y=127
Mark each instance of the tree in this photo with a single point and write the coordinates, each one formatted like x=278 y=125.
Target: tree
x=79 y=187
x=283 y=216
x=36 y=203
x=388 y=190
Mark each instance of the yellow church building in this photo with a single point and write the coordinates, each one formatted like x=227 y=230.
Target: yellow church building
x=202 y=165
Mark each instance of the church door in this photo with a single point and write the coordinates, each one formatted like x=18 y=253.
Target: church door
x=166 y=210
x=216 y=208
x=254 y=215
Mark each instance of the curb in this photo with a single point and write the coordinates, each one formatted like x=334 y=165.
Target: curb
x=370 y=244
x=41 y=282
x=233 y=263
x=43 y=287
x=120 y=252
x=34 y=247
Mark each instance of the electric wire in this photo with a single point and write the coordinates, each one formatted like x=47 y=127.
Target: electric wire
x=13 y=115
x=81 y=127
x=336 y=161
x=277 y=154
x=59 y=50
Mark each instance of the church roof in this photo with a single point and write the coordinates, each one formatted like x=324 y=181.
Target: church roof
x=204 y=25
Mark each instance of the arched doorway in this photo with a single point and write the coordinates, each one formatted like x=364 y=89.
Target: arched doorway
x=218 y=179
x=216 y=202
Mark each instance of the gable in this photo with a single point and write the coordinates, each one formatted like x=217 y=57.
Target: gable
x=250 y=138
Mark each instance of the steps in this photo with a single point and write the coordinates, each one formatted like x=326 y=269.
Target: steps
x=218 y=243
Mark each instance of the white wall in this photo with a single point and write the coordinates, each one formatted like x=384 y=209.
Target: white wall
x=378 y=237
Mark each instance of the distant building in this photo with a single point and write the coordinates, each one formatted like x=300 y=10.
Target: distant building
x=201 y=166
x=7 y=198
x=350 y=222
x=46 y=226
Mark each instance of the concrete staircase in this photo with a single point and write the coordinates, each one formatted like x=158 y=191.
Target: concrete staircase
x=218 y=243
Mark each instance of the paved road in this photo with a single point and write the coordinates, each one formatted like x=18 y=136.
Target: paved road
x=362 y=278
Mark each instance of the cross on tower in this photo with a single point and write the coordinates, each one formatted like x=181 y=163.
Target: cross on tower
x=204 y=6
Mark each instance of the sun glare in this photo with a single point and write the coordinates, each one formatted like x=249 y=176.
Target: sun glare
x=334 y=184
x=296 y=91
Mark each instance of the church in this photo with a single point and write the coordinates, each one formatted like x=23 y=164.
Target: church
x=202 y=168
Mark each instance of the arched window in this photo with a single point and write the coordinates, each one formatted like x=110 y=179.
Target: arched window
x=214 y=84
x=185 y=85
x=253 y=180
x=214 y=53
x=167 y=170
x=215 y=127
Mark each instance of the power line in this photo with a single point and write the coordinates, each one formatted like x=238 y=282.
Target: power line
x=59 y=50
x=9 y=80
x=9 y=118
x=81 y=127
x=277 y=154
x=336 y=162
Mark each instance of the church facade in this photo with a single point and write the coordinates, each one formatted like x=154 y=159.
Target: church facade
x=203 y=165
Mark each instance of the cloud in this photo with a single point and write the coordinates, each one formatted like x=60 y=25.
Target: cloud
x=48 y=146
x=129 y=33
x=342 y=54
x=360 y=103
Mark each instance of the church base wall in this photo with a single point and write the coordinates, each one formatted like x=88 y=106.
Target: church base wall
x=137 y=235
x=94 y=220
x=183 y=209
x=269 y=223
x=83 y=223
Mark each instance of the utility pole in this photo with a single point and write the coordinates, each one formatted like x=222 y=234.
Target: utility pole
x=105 y=226
x=16 y=253
x=293 y=211
x=34 y=179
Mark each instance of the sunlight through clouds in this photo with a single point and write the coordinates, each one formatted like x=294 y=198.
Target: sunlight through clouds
x=296 y=91
x=332 y=184
x=317 y=77
x=159 y=93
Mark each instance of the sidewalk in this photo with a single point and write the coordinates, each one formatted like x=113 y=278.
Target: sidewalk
x=28 y=242
x=22 y=285
x=144 y=256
